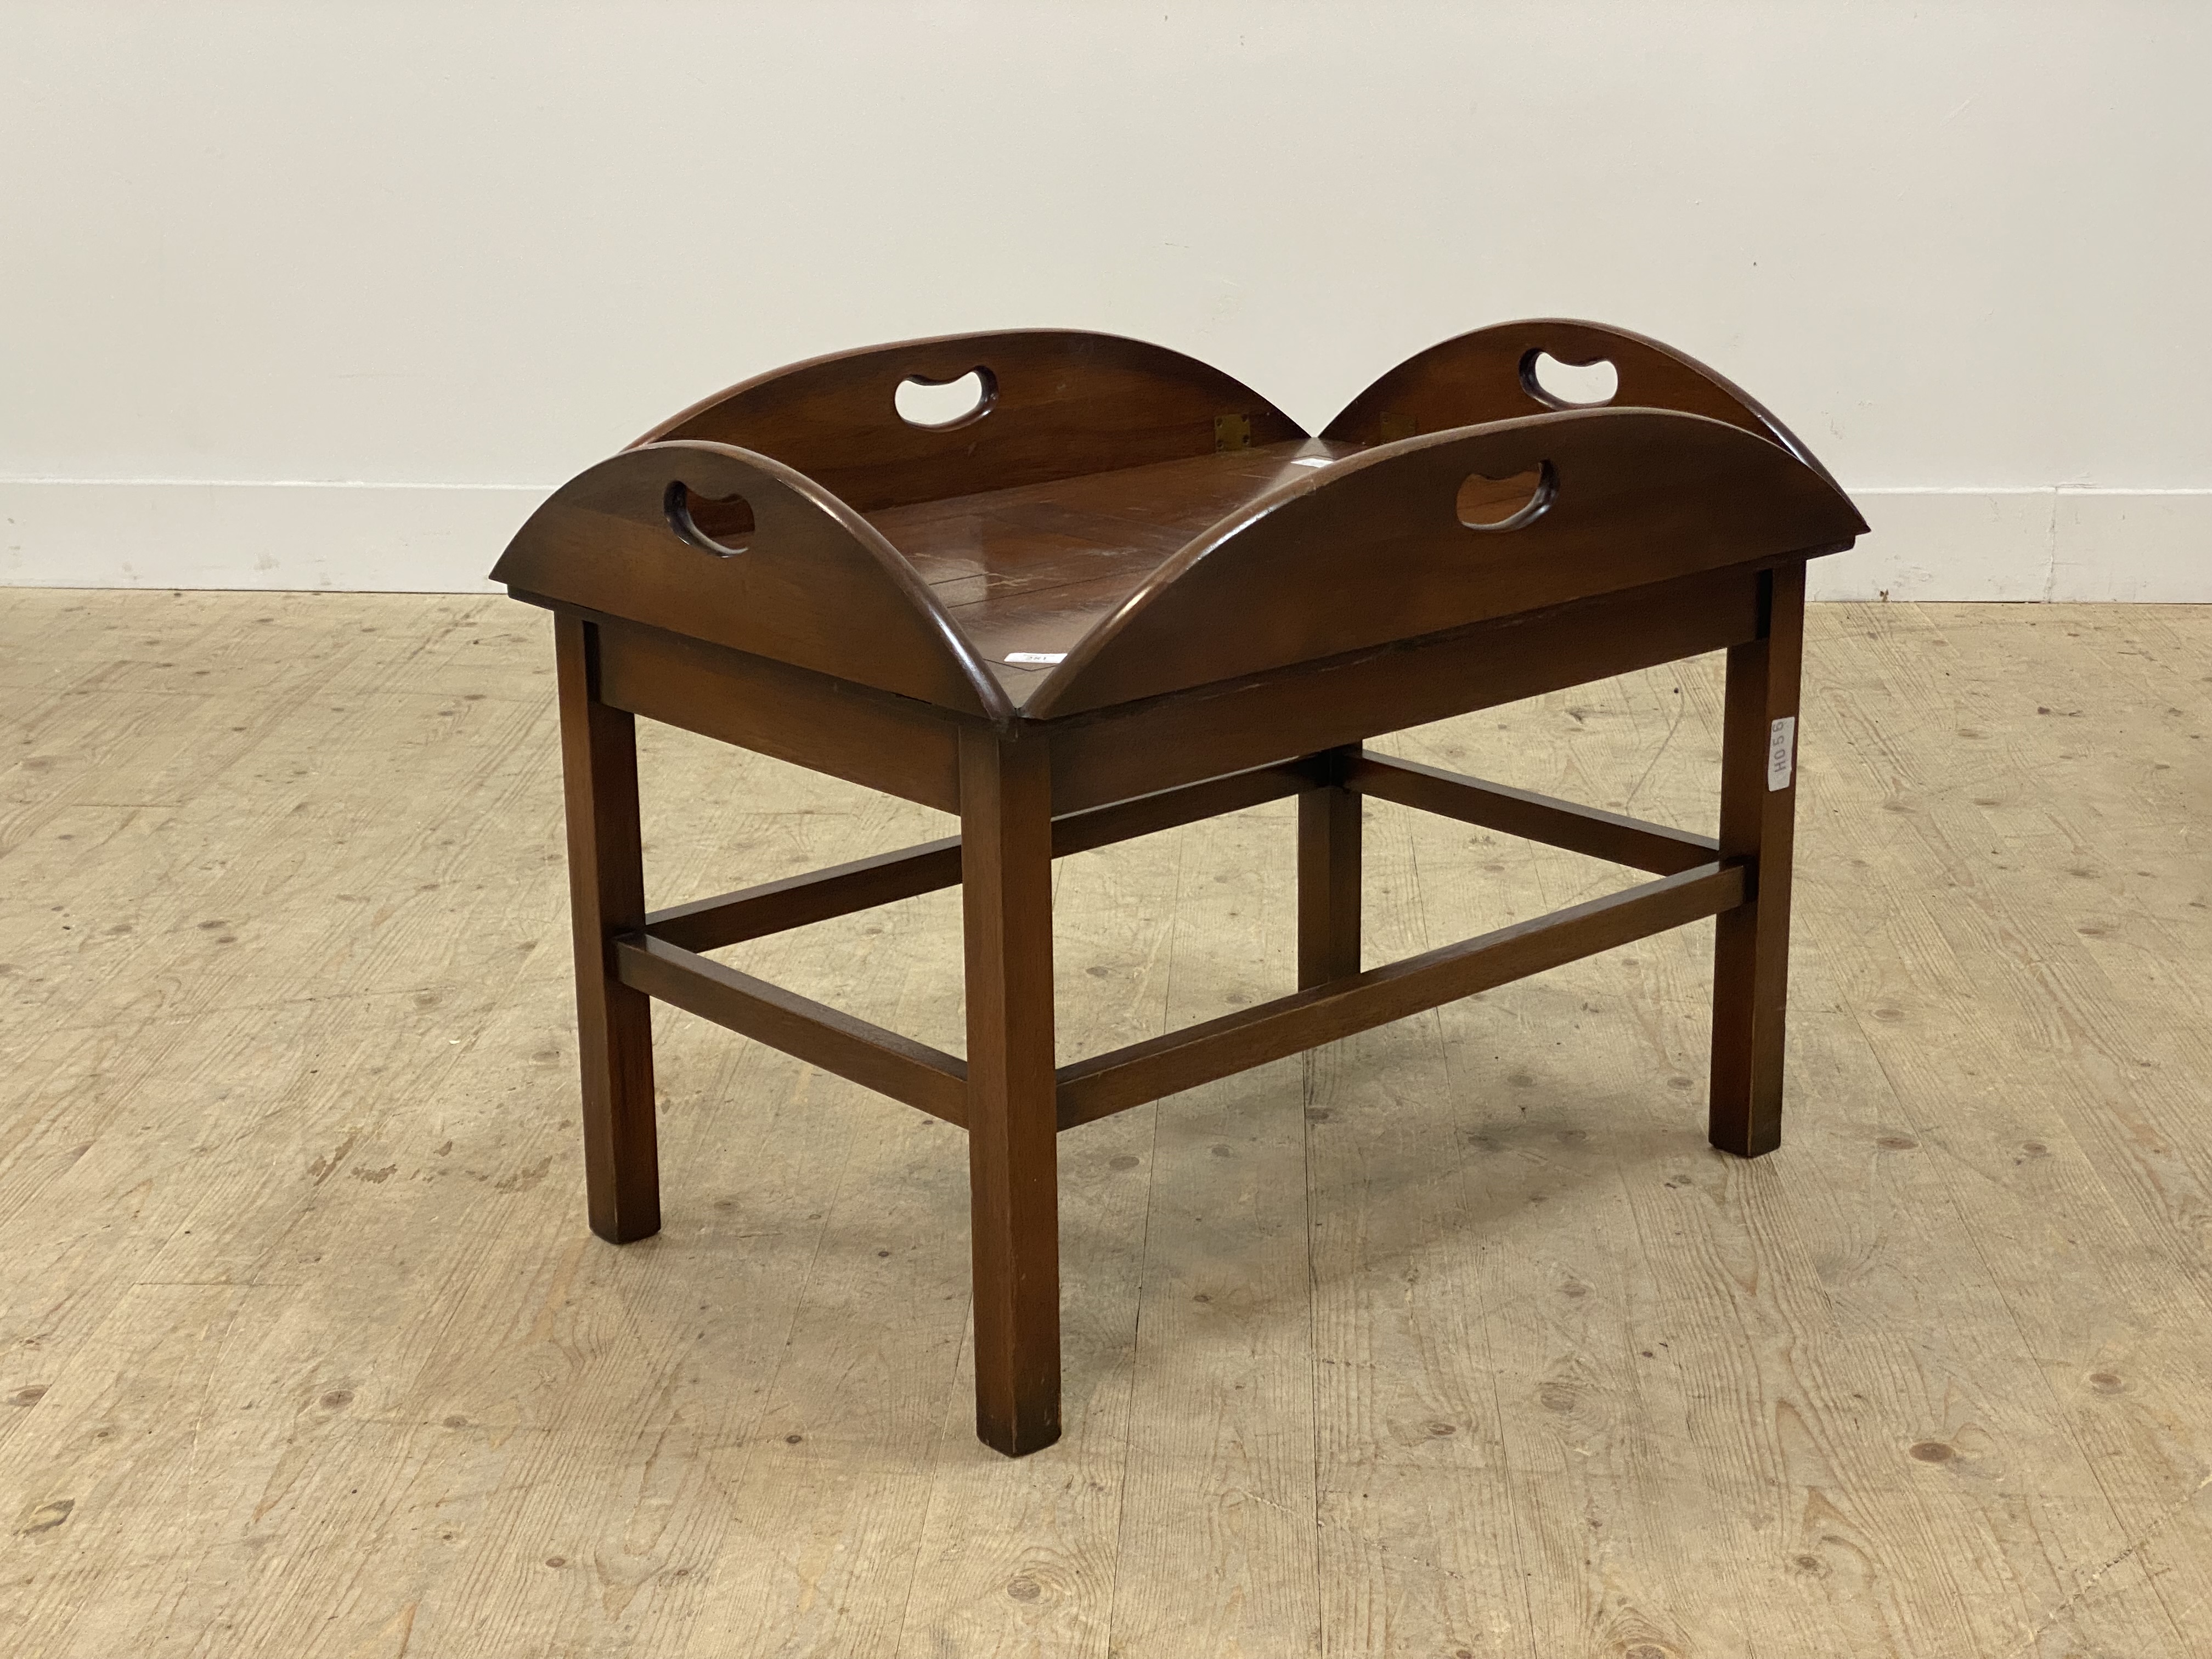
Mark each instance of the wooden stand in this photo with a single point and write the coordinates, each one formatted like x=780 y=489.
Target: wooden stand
x=1125 y=593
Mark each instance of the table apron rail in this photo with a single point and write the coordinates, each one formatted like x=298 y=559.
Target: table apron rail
x=1114 y=1082
x=1631 y=841
x=708 y=924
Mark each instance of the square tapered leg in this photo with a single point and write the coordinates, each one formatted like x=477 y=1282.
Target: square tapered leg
x=1759 y=801
x=606 y=897
x=1005 y=854
x=1328 y=871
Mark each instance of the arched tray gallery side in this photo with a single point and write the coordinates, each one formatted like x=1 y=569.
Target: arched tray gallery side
x=1490 y=375
x=710 y=541
x=1056 y=403
x=1372 y=551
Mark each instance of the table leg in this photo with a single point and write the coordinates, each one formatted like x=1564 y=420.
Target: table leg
x=606 y=896
x=1328 y=873
x=1005 y=854
x=1759 y=798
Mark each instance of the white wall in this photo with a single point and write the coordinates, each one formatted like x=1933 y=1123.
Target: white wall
x=319 y=294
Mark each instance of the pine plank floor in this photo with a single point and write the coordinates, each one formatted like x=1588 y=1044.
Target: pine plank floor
x=1452 y=1341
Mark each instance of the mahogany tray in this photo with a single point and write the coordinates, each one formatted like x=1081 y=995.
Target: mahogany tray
x=1124 y=591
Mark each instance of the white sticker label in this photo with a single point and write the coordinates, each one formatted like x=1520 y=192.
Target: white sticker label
x=1781 y=752
x=1036 y=656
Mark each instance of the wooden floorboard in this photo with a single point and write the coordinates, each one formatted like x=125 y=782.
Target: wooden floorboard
x=1453 y=1338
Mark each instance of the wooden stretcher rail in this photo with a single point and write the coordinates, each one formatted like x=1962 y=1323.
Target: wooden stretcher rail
x=1114 y=1082
x=1607 y=835
x=708 y=924
x=922 y=1077
x=664 y=961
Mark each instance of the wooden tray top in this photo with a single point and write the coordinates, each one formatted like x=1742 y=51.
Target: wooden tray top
x=1155 y=525
x=1034 y=569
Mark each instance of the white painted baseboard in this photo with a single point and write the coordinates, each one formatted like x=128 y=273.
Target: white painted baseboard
x=2034 y=544
x=405 y=538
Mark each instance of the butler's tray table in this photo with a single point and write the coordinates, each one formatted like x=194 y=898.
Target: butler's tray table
x=1124 y=592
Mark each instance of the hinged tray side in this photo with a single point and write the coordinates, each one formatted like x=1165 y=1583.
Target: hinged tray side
x=737 y=548
x=1056 y=403
x=1491 y=374
x=1373 y=549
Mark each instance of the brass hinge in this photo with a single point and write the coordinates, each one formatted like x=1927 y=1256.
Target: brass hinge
x=1231 y=432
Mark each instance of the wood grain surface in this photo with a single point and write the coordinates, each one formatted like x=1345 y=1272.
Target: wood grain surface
x=1370 y=550
x=1056 y=403
x=1491 y=375
x=1454 y=1339
x=1057 y=596
x=810 y=583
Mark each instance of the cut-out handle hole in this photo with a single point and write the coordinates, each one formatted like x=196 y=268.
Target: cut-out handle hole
x=1569 y=385
x=938 y=405
x=1505 y=503
x=720 y=525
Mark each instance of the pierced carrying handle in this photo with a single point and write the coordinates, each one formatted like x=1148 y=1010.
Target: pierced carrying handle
x=720 y=526
x=1492 y=503
x=918 y=405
